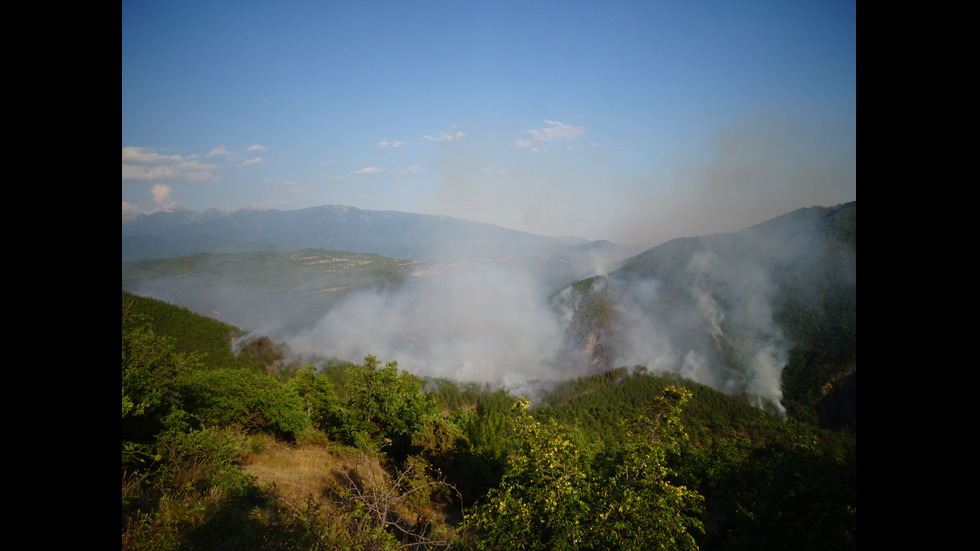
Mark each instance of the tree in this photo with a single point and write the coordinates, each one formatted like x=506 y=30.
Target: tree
x=318 y=396
x=383 y=403
x=787 y=480
x=151 y=368
x=543 y=501
x=554 y=497
x=641 y=506
x=254 y=401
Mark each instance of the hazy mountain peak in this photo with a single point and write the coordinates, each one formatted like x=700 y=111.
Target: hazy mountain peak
x=389 y=233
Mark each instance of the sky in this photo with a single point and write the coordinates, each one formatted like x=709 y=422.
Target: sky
x=635 y=122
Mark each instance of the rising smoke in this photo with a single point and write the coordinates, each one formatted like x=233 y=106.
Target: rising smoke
x=485 y=322
x=702 y=307
x=711 y=320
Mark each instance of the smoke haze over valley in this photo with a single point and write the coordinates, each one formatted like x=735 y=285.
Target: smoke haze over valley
x=703 y=307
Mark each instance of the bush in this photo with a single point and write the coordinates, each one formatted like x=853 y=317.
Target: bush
x=250 y=400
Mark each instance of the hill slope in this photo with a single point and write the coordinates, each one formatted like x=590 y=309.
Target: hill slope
x=731 y=310
x=220 y=470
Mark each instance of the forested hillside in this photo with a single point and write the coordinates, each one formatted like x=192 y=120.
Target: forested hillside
x=769 y=313
x=231 y=441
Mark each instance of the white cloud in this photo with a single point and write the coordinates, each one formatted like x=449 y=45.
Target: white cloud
x=410 y=171
x=190 y=171
x=449 y=136
x=294 y=187
x=255 y=147
x=140 y=163
x=130 y=211
x=366 y=170
x=143 y=155
x=220 y=150
x=393 y=144
x=162 y=200
x=554 y=132
x=162 y=197
x=251 y=161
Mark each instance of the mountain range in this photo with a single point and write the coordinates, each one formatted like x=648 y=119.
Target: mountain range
x=388 y=233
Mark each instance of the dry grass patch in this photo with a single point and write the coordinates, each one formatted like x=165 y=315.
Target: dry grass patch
x=419 y=509
x=296 y=472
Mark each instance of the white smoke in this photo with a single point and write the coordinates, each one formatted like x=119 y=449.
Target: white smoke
x=714 y=326
x=491 y=322
x=479 y=322
x=710 y=318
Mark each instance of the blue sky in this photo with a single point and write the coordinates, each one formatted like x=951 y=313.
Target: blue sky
x=630 y=121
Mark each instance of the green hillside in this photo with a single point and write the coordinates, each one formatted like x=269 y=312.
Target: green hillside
x=248 y=448
x=788 y=285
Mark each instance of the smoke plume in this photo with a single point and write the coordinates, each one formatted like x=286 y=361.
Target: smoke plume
x=476 y=322
x=702 y=307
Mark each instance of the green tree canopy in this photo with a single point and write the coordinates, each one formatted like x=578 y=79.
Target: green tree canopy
x=384 y=404
x=554 y=497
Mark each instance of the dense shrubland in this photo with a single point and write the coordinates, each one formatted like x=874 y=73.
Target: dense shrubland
x=626 y=459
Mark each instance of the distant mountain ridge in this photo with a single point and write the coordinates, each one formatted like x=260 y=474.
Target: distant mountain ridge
x=335 y=227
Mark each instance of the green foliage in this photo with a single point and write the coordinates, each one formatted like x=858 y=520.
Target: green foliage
x=817 y=307
x=592 y=306
x=609 y=461
x=598 y=403
x=791 y=480
x=190 y=333
x=543 y=499
x=151 y=369
x=319 y=398
x=554 y=497
x=645 y=507
x=247 y=399
x=471 y=446
x=384 y=404
x=263 y=354
x=451 y=395
x=200 y=459
x=170 y=486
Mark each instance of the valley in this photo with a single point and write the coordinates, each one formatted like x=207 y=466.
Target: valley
x=737 y=350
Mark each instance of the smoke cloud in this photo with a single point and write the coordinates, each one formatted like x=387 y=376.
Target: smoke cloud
x=484 y=322
x=493 y=322
x=703 y=308
x=711 y=321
